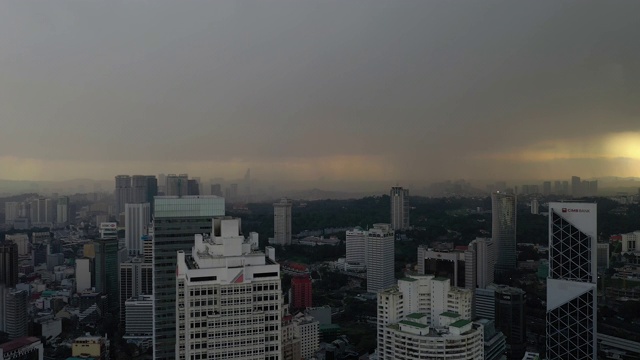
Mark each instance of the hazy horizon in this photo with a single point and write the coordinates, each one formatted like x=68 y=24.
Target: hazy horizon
x=311 y=91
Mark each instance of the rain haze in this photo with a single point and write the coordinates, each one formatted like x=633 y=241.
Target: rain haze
x=306 y=90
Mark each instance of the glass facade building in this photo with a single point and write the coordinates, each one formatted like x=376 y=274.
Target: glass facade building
x=176 y=221
x=503 y=230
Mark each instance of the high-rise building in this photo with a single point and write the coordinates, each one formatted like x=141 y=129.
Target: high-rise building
x=22 y=240
x=15 y=317
x=494 y=341
x=83 y=274
x=229 y=297
x=138 y=321
x=152 y=190
x=8 y=264
x=449 y=264
x=177 y=185
x=571 y=285
x=106 y=265
x=356 y=240
x=11 y=211
x=603 y=256
x=50 y=206
x=136 y=278
x=137 y=218
x=282 y=222
x=483 y=251
x=546 y=188
x=380 y=258
x=535 y=205
x=399 y=208
x=176 y=221
x=557 y=187
x=301 y=292
x=576 y=187
x=139 y=191
x=424 y=317
x=216 y=189
x=306 y=328
x=123 y=192
x=503 y=228
x=63 y=211
x=193 y=187
x=510 y=319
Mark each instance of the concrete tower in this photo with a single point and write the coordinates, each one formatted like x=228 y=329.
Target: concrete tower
x=399 y=208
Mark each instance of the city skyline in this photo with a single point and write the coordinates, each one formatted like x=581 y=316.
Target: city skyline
x=318 y=91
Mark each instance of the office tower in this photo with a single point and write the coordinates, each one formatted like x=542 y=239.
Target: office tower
x=106 y=265
x=136 y=278
x=576 y=186
x=593 y=187
x=50 y=211
x=193 y=187
x=123 y=192
x=301 y=292
x=565 y=188
x=603 y=256
x=8 y=264
x=510 y=319
x=480 y=259
x=380 y=257
x=485 y=302
x=450 y=264
x=152 y=190
x=138 y=323
x=83 y=274
x=424 y=317
x=557 y=187
x=282 y=222
x=355 y=243
x=503 y=228
x=162 y=184
x=306 y=328
x=216 y=189
x=22 y=240
x=138 y=189
x=176 y=221
x=63 y=211
x=177 y=185
x=494 y=341
x=15 y=313
x=546 y=188
x=10 y=211
x=136 y=224
x=571 y=285
x=229 y=297
x=399 y=208
x=535 y=207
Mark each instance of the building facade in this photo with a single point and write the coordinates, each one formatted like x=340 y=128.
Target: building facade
x=228 y=297
x=356 y=244
x=8 y=264
x=380 y=258
x=137 y=218
x=136 y=279
x=301 y=292
x=510 y=319
x=503 y=230
x=571 y=285
x=176 y=221
x=122 y=192
x=282 y=222
x=399 y=198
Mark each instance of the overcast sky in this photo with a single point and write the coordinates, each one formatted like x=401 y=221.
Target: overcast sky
x=341 y=90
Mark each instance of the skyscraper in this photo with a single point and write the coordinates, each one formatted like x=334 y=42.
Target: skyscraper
x=177 y=185
x=576 y=186
x=83 y=274
x=123 y=192
x=176 y=221
x=106 y=266
x=503 y=229
x=301 y=292
x=63 y=210
x=11 y=211
x=571 y=285
x=139 y=187
x=136 y=278
x=8 y=264
x=511 y=320
x=282 y=222
x=229 y=297
x=380 y=258
x=399 y=208
x=15 y=313
x=356 y=243
x=136 y=222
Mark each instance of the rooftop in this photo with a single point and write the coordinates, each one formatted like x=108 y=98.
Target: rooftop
x=414 y=324
x=408 y=279
x=18 y=343
x=461 y=323
x=450 y=314
x=416 y=316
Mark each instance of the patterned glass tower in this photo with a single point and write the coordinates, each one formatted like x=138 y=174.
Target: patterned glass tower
x=503 y=229
x=571 y=286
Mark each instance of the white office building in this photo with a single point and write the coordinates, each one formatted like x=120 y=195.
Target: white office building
x=228 y=297
x=22 y=240
x=423 y=317
x=307 y=329
x=380 y=258
x=630 y=243
x=136 y=224
x=282 y=222
x=356 y=240
x=571 y=285
x=83 y=274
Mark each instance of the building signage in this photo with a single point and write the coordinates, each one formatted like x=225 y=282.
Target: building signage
x=568 y=210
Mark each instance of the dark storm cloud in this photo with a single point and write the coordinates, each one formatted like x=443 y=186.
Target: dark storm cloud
x=407 y=89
